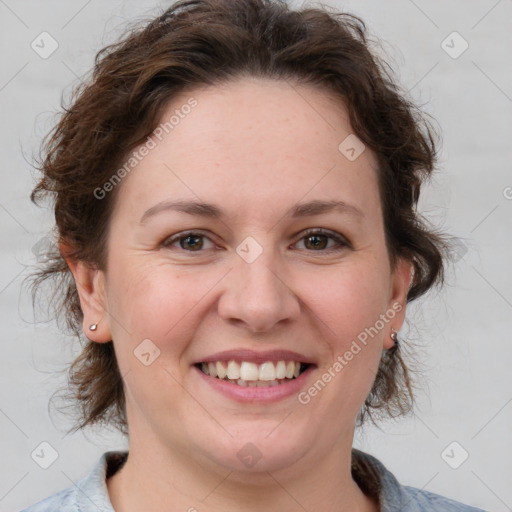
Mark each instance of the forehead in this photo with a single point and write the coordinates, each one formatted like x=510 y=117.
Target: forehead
x=253 y=141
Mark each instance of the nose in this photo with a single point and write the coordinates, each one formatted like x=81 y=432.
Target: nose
x=257 y=296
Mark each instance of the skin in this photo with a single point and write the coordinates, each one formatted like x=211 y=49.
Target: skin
x=255 y=148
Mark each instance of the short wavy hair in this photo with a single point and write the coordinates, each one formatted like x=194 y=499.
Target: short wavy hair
x=207 y=42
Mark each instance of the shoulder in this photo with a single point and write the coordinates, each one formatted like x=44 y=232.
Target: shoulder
x=377 y=481
x=89 y=494
x=429 y=501
x=64 y=500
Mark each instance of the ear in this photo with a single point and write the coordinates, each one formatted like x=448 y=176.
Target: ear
x=400 y=283
x=90 y=283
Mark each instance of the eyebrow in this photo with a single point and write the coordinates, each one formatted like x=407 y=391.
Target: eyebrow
x=209 y=210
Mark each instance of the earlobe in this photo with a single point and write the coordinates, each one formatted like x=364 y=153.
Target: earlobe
x=400 y=284
x=90 y=284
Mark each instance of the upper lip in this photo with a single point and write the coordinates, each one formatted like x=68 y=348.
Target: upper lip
x=257 y=357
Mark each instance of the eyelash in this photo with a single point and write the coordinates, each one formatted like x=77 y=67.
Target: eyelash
x=341 y=242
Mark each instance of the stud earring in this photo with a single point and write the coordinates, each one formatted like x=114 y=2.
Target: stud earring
x=93 y=327
x=394 y=336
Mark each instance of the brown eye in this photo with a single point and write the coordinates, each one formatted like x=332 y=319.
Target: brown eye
x=193 y=242
x=318 y=241
x=189 y=242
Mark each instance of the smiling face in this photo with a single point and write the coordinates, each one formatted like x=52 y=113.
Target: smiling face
x=267 y=274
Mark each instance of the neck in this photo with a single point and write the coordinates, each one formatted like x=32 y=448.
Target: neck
x=158 y=479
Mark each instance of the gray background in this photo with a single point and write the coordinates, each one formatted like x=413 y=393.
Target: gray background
x=461 y=336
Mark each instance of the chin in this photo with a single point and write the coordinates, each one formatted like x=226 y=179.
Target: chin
x=259 y=448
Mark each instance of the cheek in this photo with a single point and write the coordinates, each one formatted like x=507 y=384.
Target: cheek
x=350 y=305
x=151 y=301
x=348 y=301
x=158 y=301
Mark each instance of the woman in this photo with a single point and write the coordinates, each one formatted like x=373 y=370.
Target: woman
x=235 y=194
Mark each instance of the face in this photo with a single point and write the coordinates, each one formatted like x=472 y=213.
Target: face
x=266 y=279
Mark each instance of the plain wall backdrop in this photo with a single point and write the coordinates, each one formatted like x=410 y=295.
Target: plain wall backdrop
x=460 y=335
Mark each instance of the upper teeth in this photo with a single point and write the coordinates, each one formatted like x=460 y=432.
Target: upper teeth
x=246 y=370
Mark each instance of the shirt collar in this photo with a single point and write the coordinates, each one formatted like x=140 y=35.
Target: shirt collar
x=391 y=494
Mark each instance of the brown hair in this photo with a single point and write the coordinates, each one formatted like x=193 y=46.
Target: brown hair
x=206 y=42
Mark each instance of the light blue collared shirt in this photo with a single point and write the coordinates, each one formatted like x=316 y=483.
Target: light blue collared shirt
x=91 y=495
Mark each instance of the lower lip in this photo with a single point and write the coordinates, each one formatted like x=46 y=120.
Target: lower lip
x=256 y=394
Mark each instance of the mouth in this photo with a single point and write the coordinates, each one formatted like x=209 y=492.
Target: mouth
x=250 y=374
